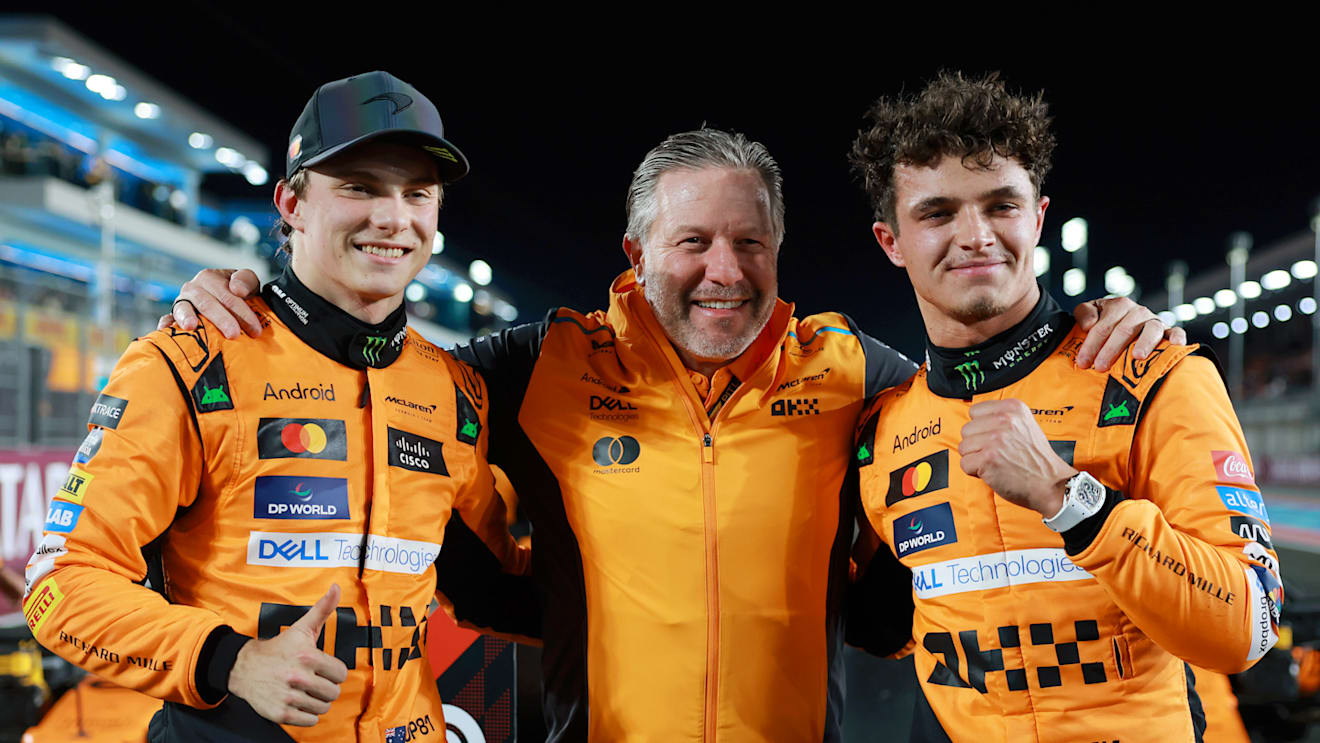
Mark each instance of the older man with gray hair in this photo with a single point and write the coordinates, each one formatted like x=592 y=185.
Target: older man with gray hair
x=682 y=457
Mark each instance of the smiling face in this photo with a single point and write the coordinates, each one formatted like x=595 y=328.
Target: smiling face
x=966 y=236
x=709 y=264
x=364 y=225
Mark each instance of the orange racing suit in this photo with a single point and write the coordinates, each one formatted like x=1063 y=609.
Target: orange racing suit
x=242 y=478
x=1022 y=634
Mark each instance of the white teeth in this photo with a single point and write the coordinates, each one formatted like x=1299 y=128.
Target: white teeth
x=383 y=252
x=718 y=305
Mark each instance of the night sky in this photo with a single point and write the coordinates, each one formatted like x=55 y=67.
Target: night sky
x=1163 y=150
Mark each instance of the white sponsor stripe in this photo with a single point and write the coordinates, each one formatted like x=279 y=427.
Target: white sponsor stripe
x=994 y=570
x=1263 y=632
x=337 y=550
x=43 y=560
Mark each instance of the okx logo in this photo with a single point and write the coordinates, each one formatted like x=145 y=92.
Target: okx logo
x=301 y=438
x=972 y=376
x=926 y=475
x=281 y=497
x=608 y=451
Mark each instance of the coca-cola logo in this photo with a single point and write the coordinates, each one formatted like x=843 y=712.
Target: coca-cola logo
x=1231 y=467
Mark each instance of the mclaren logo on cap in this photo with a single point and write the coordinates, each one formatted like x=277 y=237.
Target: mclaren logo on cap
x=399 y=100
x=441 y=152
x=295 y=147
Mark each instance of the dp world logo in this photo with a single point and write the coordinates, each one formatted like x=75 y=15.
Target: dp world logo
x=609 y=450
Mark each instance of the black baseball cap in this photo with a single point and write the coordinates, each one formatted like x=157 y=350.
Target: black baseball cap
x=363 y=107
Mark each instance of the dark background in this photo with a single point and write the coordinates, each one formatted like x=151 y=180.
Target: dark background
x=1169 y=138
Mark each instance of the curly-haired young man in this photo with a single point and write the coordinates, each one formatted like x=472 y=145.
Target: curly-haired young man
x=1070 y=532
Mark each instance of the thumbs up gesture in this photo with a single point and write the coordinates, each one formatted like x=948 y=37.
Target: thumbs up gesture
x=286 y=679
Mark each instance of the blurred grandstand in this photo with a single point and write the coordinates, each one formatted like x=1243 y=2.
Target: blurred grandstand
x=113 y=191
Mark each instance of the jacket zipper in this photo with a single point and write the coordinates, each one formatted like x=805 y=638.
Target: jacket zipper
x=713 y=589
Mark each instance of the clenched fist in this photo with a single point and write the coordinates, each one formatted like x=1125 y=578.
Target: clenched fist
x=1003 y=445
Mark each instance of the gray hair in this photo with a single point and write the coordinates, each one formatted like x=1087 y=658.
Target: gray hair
x=696 y=150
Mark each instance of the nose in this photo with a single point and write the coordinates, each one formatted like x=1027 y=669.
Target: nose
x=723 y=263
x=972 y=230
x=389 y=214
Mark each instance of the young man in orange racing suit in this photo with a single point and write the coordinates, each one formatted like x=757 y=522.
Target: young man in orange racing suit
x=681 y=456
x=246 y=478
x=1071 y=533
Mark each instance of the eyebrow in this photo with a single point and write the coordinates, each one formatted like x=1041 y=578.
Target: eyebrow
x=366 y=175
x=935 y=202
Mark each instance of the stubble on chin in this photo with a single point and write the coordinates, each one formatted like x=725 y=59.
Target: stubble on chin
x=673 y=313
x=979 y=309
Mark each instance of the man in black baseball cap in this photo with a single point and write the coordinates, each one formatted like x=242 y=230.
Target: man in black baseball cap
x=301 y=479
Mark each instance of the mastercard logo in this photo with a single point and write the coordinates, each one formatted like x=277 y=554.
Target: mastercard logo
x=926 y=475
x=303 y=438
x=915 y=479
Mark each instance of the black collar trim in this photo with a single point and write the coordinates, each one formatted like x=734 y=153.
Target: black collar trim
x=1002 y=360
x=330 y=330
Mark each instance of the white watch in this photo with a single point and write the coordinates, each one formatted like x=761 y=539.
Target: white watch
x=1083 y=499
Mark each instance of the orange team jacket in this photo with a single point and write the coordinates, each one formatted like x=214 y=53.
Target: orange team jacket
x=690 y=550
x=242 y=478
x=1022 y=634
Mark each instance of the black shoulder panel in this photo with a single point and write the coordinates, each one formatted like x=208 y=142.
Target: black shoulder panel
x=885 y=367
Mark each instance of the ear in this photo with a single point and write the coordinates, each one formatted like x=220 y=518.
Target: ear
x=287 y=203
x=1041 y=206
x=884 y=235
x=636 y=257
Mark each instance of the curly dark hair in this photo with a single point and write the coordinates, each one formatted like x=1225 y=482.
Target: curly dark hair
x=974 y=119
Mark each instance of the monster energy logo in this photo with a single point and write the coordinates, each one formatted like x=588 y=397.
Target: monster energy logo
x=1117 y=411
x=371 y=348
x=213 y=395
x=971 y=374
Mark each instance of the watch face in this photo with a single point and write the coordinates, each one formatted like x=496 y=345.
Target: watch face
x=1089 y=493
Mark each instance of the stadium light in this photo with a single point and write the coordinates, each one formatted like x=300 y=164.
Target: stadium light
x=199 y=141
x=1303 y=270
x=1219 y=330
x=1116 y=280
x=506 y=311
x=1041 y=260
x=463 y=292
x=100 y=84
x=1074 y=235
x=1168 y=318
x=438 y=243
x=1283 y=313
x=70 y=69
x=1249 y=289
x=116 y=92
x=1239 y=325
x=1204 y=305
x=178 y=199
x=1185 y=312
x=1275 y=280
x=144 y=110
x=229 y=158
x=1074 y=282
x=480 y=272
x=1260 y=319
x=255 y=174
x=415 y=292
x=1225 y=297
x=1307 y=305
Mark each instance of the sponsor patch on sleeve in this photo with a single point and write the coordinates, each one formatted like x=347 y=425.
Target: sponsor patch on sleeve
x=43 y=599
x=89 y=446
x=62 y=516
x=469 y=423
x=1263 y=591
x=1251 y=530
x=1231 y=467
x=211 y=392
x=1244 y=501
x=107 y=411
x=76 y=485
